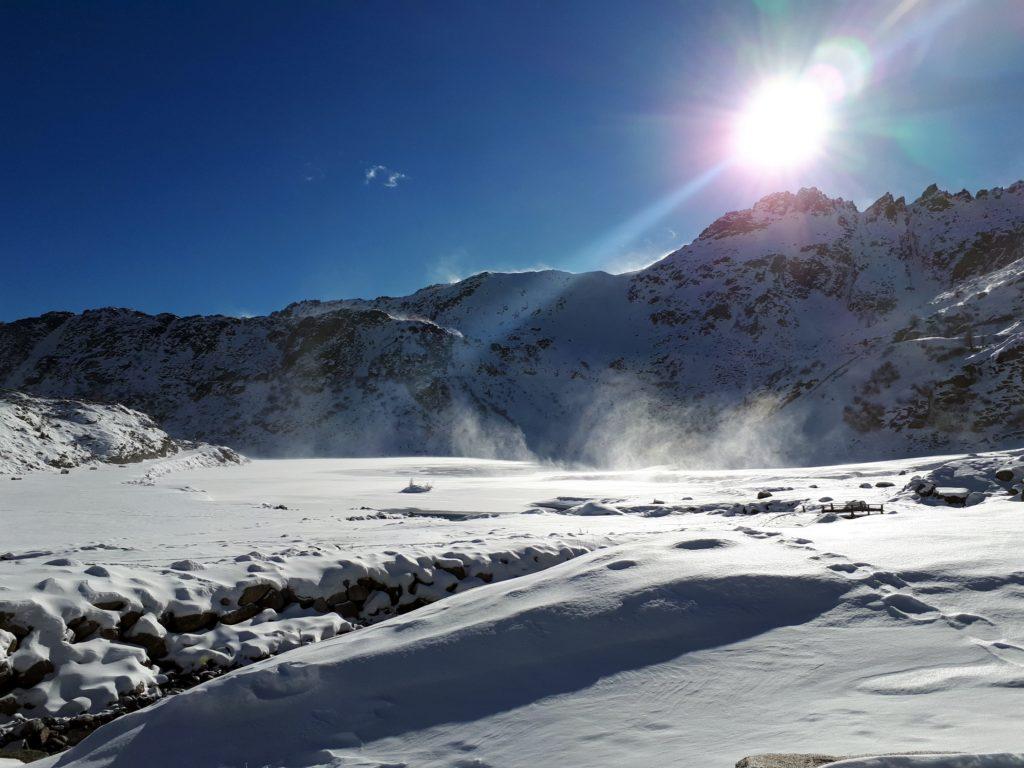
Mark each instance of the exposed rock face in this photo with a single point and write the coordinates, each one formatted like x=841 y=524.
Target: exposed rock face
x=800 y=322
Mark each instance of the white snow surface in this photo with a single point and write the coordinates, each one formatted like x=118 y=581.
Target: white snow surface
x=680 y=632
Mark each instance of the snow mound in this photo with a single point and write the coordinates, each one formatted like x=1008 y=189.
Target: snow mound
x=353 y=699
x=193 y=456
x=84 y=638
x=39 y=433
x=592 y=509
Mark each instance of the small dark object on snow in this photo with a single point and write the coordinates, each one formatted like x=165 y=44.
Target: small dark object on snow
x=852 y=509
x=413 y=487
x=763 y=494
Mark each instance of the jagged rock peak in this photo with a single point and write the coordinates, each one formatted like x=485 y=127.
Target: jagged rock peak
x=886 y=206
x=808 y=200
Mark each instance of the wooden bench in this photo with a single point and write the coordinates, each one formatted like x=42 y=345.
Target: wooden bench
x=854 y=509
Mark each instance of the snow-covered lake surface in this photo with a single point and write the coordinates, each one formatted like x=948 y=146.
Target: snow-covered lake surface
x=660 y=636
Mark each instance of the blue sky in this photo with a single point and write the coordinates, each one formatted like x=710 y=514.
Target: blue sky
x=201 y=157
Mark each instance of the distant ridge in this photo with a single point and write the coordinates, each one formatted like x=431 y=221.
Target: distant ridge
x=800 y=330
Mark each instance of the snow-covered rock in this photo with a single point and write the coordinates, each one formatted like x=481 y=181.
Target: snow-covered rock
x=39 y=433
x=44 y=433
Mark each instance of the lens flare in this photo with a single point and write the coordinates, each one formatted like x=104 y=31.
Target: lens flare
x=840 y=67
x=784 y=125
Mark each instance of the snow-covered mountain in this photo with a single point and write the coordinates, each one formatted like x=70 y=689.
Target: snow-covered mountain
x=38 y=433
x=800 y=330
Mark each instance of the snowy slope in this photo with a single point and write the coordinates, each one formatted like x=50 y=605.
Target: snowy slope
x=685 y=639
x=693 y=620
x=43 y=433
x=40 y=433
x=800 y=330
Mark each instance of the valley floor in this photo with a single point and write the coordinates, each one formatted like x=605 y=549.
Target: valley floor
x=516 y=614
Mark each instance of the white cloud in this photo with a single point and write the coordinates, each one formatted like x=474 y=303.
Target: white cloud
x=383 y=175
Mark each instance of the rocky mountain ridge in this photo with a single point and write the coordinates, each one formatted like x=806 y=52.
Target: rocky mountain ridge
x=800 y=330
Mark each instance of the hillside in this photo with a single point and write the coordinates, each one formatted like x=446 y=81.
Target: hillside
x=38 y=433
x=801 y=330
x=42 y=433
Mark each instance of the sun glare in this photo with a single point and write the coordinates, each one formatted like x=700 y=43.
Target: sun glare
x=783 y=126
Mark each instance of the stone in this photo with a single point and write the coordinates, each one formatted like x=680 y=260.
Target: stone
x=8 y=705
x=254 y=593
x=275 y=599
x=320 y=605
x=764 y=494
x=33 y=675
x=244 y=613
x=83 y=628
x=458 y=571
x=193 y=622
x=155 y=646
x=358 y=593
x=128 y=620
x=347 y=610
x=110 y=605
x=7 y=622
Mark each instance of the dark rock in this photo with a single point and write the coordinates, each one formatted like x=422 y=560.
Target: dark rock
x=320 y=605
x=83 y=628
x=764 y=494
x=337 y=598
x=110 y=605
x=7 y=622
x=6 y=677
x=244 y=613
x=458 y=571
x=254 y=593
x=128 y=620
x=347 y=610
x=8 y=705
x=193 y=622
x=33 y=675
x=358 y=593
x=275 y=599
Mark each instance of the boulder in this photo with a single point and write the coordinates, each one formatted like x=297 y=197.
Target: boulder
x=276 y=599
x=239 y=615
x=33 y=675
x=254 y=593
x=358 y=593
x=193 y=622
x=8 y=705
x=83 y=628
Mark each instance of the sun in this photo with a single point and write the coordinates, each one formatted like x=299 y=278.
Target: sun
x=784 y=125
